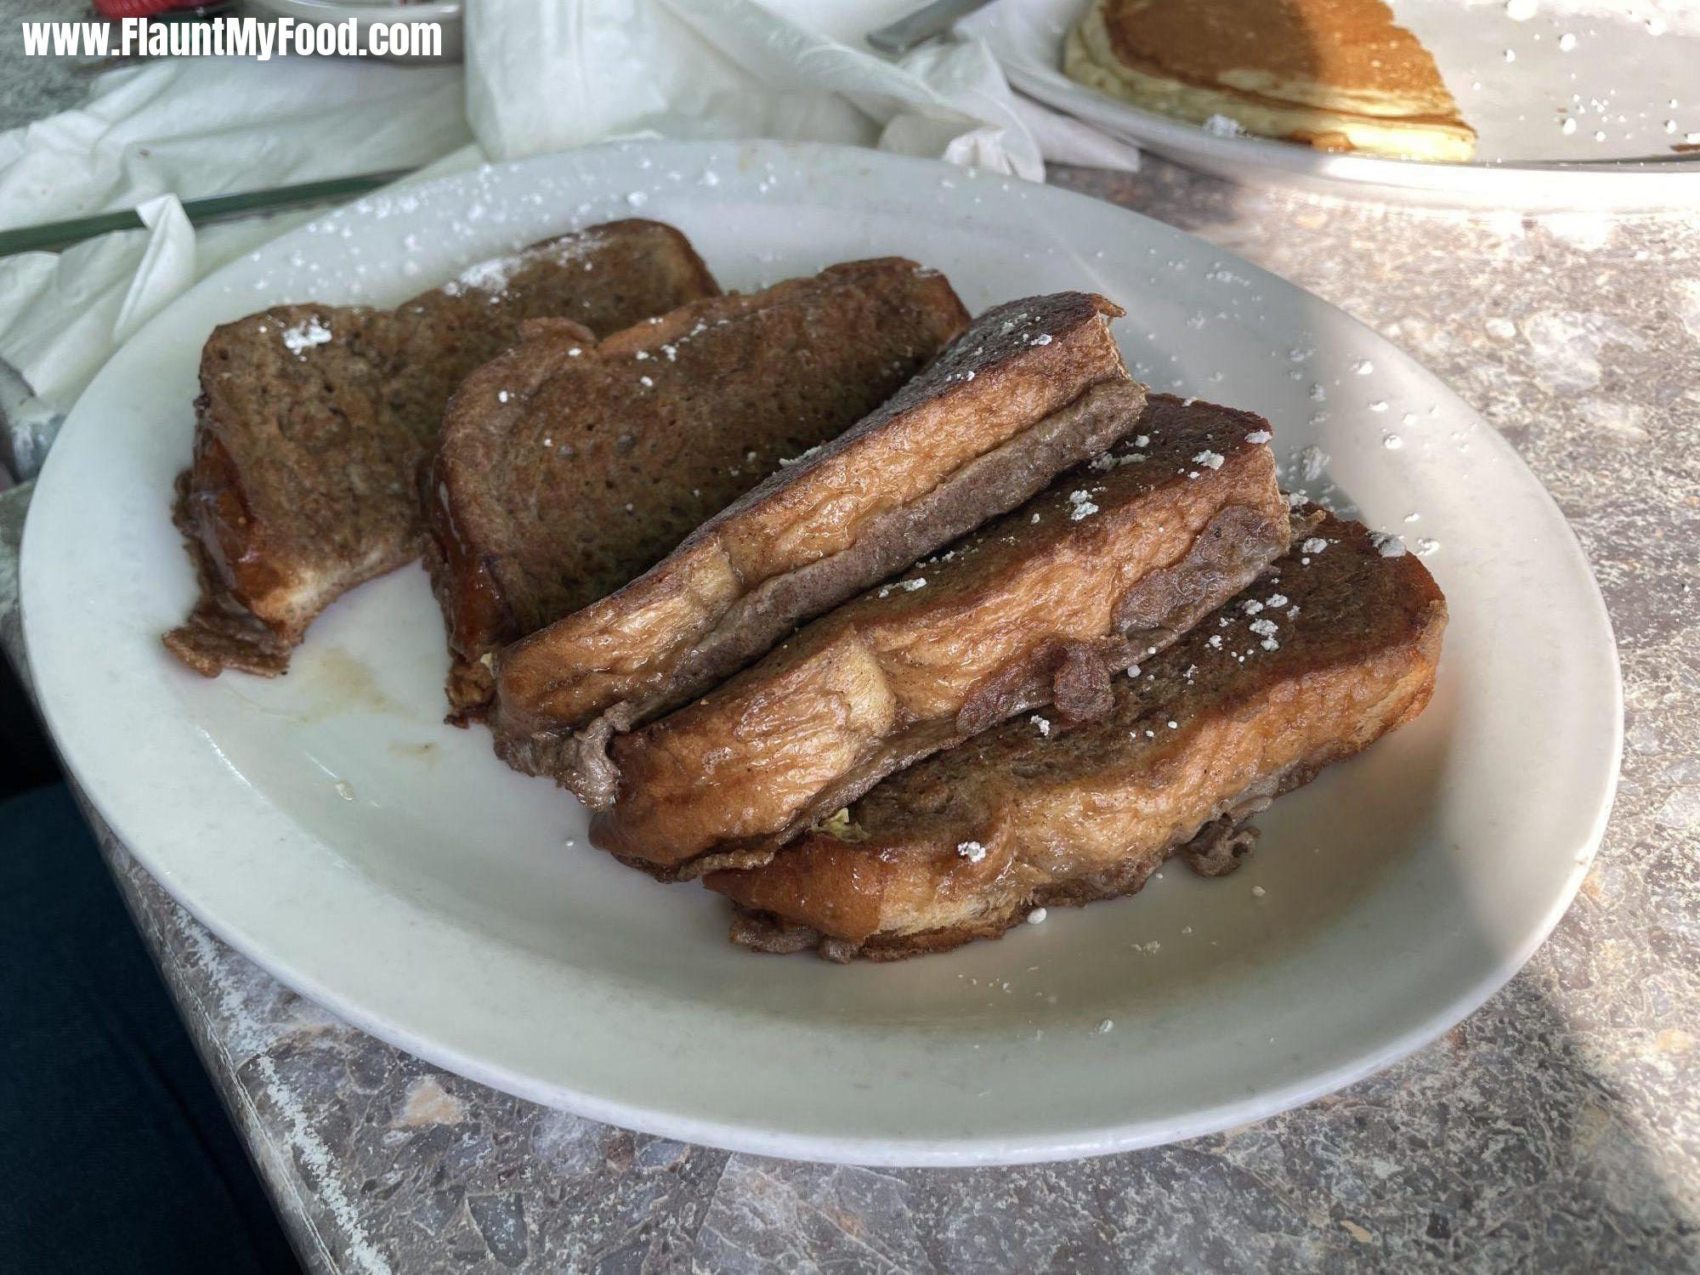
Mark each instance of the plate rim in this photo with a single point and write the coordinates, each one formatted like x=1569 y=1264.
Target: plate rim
x=885 y=1151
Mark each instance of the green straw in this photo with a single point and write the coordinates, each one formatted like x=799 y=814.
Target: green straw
x=62 y=234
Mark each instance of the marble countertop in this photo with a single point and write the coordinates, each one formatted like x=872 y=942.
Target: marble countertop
x=1558 y=1128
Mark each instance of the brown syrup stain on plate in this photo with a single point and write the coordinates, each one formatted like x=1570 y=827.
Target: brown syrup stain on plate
x=332 y=682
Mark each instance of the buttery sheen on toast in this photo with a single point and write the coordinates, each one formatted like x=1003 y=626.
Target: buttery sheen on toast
x=313 y=420
x=1029 y=389
x=1330 y=651
x=1041 y=609
x=566 y=469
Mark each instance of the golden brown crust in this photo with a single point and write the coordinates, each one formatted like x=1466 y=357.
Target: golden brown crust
x=966 y=844
x=565 y=470
x=978 y=431
x=1340 y=46
x=1336 y=74
x=313 y=420
x=1111 y=563
x=220 y=633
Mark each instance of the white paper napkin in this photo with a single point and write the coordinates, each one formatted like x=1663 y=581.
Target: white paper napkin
x=731 y=68
x=540 y=75
x=196 y=127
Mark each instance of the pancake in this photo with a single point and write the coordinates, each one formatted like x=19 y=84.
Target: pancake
x=1338 y=75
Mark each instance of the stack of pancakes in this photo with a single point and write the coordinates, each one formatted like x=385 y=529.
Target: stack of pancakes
x=1338 y=75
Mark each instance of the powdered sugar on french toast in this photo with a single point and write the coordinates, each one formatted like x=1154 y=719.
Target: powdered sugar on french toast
x=494 y=275
x=305 y=335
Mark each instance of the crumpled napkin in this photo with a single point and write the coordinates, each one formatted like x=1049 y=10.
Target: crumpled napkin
x=540 y=75
x=196 y=127
x=733 y=68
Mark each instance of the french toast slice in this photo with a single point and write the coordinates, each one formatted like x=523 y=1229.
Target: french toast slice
x=1111 y=563
x=1334 y=648
x=313 y=420
x=565 y=471
x=1029 y=389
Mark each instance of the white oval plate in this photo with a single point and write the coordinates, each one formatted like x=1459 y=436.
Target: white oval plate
x=331 y=827
x=1627 y=83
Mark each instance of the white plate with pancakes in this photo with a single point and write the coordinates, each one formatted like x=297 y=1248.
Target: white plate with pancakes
x=330 y=825
x=1575 y=104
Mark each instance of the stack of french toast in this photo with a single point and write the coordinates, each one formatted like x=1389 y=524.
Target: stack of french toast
x=893 y=625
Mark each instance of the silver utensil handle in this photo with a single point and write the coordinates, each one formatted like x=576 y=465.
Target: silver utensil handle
x=922 y=25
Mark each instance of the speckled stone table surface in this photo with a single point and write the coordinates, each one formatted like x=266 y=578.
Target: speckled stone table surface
x=1556 y=1129
x=31 y=88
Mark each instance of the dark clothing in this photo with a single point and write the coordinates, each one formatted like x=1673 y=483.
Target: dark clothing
x=115 y=1152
